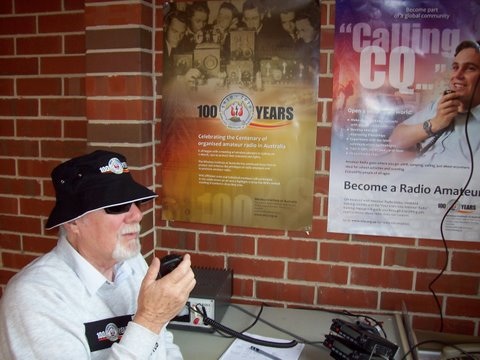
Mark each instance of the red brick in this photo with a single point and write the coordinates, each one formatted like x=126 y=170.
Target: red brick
x=74 y=86
x=18 y=107
x=285 y=292
x=120 y=133
x=319 y=231
x=415 y=302
x=254 y=231
x=321 y=184
x=38 y=244
x=72 y=64
x=74 y=44
x=325 y=88
x=6 y=7
x=74 y=4
x=383 y=239
x=7 y=166
x=118 y=38
x=327 y=37
x=7 y=128
x=8 y=205
x=176 y=239
x=23 y=224
x=25 y=6
x=63 y=107
x=26 y=148
x=18 y=25
x=206 y=260
x=26 y=187
x=118 y=15
x=5 y=276
x=125 y=109
x=457 y=306
x=423 y=322
x=303 y=271
x=324 y=136
x=287 y=248
x=256 y=267
x=347 y=297
x=452 y=326
x=39 y=86
x=18 y=66
x=465 y=262
x=414 y=258
x=147 y=242
x=75 y=129
x=39 y=45
x=16 y=261
x=234 y=244
x=32 y=206
x=63 y=149
x=324 y=68
x=119 y=85
x=10 y=241
x=64 y=23
x=242 y=287
x=118 y=62
x=353 y=253
x=382 y=278
x=7 y=46
x=449 y=283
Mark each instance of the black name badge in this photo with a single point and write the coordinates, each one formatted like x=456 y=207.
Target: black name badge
x=102 y=334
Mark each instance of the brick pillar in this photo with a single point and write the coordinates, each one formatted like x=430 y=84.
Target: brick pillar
x=119 y=87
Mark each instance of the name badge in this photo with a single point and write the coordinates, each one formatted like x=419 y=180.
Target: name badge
x=102 y=334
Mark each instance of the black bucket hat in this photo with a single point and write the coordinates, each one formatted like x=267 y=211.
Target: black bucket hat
x=91 y=182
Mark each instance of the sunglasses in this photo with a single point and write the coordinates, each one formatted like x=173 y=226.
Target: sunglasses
x=121 y=209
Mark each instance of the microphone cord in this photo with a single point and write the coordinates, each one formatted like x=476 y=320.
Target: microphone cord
x=224 y=329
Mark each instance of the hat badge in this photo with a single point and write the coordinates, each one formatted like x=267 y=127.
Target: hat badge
x=115 y=166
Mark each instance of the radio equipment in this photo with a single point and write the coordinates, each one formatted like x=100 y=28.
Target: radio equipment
x=212 y=292
x=356 y=342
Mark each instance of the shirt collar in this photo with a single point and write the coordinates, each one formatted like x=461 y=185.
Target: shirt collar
x=91 y=278
x=476 y=112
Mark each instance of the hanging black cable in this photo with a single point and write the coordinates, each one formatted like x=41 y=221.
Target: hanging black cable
x=447 y=254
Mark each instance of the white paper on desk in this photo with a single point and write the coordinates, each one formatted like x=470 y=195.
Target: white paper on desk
x=240 y=349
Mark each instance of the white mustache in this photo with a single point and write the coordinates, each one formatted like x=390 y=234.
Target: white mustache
x=131 y=228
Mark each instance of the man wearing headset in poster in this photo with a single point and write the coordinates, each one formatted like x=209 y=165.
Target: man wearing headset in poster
x=438 y=131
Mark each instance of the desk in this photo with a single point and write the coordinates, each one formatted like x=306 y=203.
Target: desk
x=311 y=325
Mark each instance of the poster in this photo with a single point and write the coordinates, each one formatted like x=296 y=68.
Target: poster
x=239 y=113
x=392 y=60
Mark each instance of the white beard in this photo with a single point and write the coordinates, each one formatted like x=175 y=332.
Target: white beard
x=132 y=248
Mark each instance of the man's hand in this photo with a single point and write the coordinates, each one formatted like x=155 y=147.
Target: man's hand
x=161 y=300
x=447 y=109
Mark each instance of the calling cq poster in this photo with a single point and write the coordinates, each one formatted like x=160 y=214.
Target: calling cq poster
x=393 y=61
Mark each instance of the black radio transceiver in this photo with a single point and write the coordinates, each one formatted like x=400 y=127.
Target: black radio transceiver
x=364 y=339
x=343 y=349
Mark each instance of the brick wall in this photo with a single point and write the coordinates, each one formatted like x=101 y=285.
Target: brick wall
x=82 y=74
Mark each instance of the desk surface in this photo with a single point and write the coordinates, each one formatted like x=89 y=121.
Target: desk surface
x=311 y=325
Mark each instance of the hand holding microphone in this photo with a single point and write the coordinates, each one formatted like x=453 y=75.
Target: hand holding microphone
x=447 y=109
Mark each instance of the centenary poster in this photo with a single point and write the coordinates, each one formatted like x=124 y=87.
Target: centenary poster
x=239 y=112
x=406 y=119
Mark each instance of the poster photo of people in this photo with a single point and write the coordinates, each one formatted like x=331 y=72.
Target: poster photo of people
x=405 y=157
x=239 y=112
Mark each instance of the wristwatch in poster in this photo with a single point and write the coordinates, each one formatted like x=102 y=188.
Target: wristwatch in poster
x=427 y=126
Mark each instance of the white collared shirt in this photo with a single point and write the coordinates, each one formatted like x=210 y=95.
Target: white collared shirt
x=46 y=308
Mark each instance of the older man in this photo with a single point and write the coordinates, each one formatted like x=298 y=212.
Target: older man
x=93 y=296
